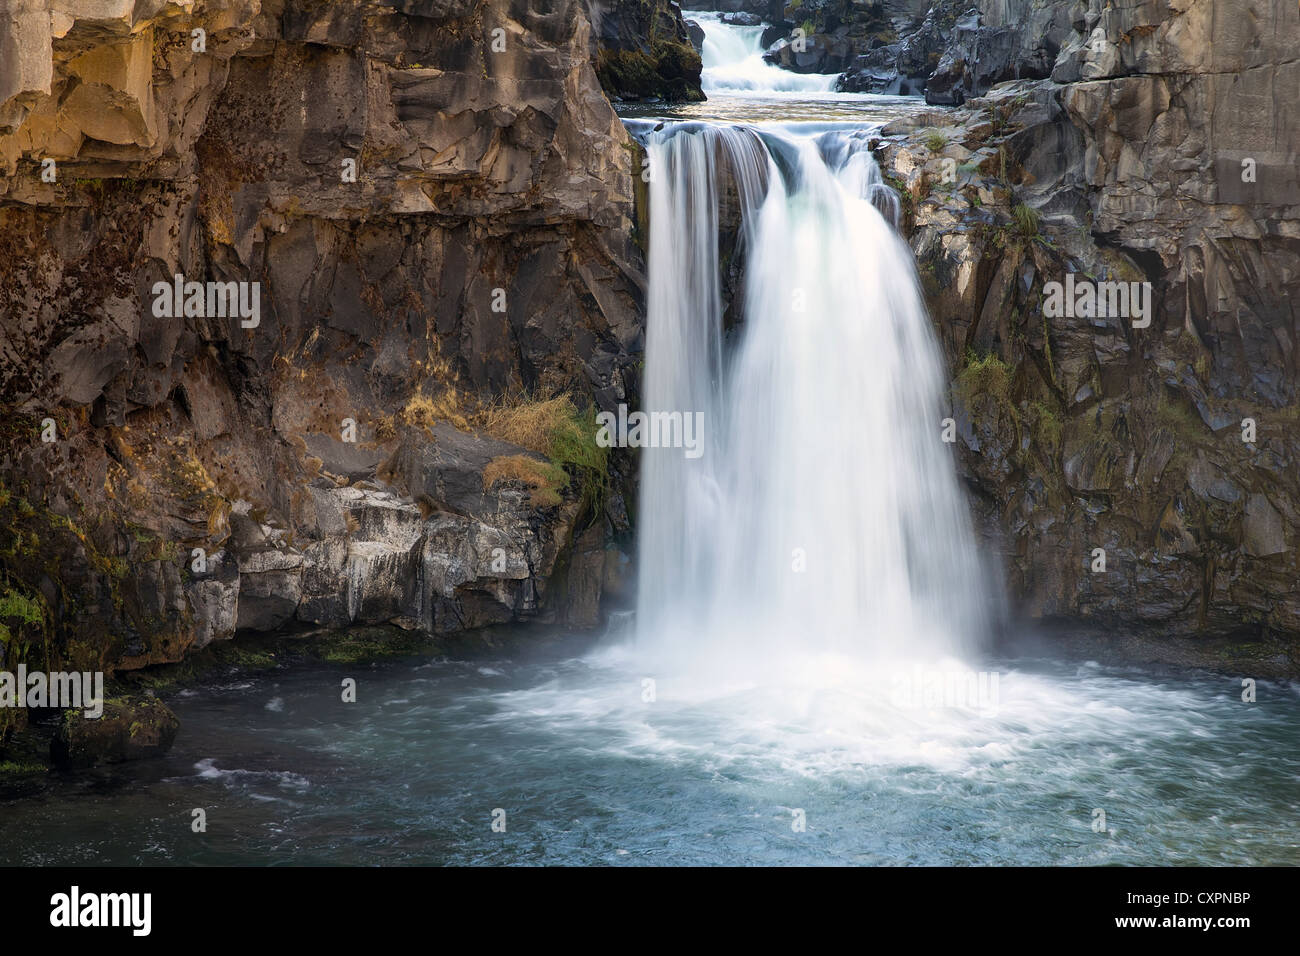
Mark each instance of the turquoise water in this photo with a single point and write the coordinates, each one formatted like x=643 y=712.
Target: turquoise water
x=589 y=772
x=593 y=755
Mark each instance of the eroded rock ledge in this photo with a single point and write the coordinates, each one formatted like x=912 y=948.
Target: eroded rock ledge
x=1165 y=150
x=484 y=249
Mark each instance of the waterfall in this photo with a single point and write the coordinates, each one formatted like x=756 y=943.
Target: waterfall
x=824 y=516
x=733 y=62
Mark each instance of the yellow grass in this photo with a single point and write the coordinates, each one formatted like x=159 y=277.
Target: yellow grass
x=543 y=478
x=530 y=423
x=424 y=410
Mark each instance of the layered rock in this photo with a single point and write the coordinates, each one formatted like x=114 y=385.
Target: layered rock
x=434 y=200
x=1164 y=159
x=827 y=36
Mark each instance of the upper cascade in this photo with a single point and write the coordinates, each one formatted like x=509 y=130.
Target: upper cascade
x=733 y=62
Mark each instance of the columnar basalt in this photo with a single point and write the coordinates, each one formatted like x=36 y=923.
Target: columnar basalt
x=1163 y=151
x=431 y=200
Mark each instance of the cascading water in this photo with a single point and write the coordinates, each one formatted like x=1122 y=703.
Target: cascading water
x=733 y=62
x=824 y=517
x=815 y=552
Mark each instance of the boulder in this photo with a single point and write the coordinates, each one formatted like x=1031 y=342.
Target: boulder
x=129 y=729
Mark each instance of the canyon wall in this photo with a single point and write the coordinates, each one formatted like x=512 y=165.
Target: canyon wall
x=434 y=199
x=1164 y=150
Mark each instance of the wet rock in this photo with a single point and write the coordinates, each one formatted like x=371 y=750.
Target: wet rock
x=820 y=53
x=377 y=293
x=774 y=32
x=696 y=34
x=128 y=729
x=645 y=50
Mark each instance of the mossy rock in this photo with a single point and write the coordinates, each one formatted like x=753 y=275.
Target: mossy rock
x=367 y=644
x=671 y=71
x=17 y=768
x=128 y=729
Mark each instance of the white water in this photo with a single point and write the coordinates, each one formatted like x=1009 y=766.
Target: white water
x=733 y=62
x=823 y=532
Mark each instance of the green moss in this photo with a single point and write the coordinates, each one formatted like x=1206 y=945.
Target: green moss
x=245 y=656
x=150 y=547
x=671 y=71
x=1181 y=421
x=32 y=557
x=666 y=67
x=574 y=448
x=20 y=606
x=907 y=205
x=1047 y=426
x=365 y=645
x=254 y=653
x=13 y=768
x=1026 y=221
x=987 y=375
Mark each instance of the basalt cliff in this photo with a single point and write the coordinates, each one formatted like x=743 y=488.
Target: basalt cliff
x=434 y=203
x=431 y=201
x=1162 y=150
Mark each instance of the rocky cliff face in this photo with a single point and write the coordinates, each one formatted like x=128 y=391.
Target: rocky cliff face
x=434 y=200
x=1164 y=152
x=643 y=51
x=426 y=205
x=951 y=50
x=1134 y=467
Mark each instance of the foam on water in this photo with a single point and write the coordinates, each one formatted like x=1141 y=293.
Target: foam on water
x=733 y=62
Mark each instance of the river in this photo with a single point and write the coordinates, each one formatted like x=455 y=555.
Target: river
x=809 y=677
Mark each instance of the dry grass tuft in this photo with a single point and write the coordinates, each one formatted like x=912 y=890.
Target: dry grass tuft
x=553 y=425
x=423 y=411
x=530 y=423
x=543 y=478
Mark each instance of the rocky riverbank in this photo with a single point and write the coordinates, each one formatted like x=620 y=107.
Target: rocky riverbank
x=435 y=201
x=431 y=203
